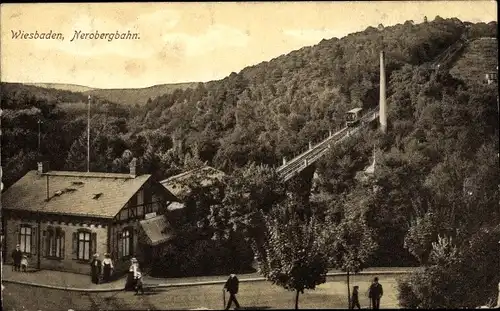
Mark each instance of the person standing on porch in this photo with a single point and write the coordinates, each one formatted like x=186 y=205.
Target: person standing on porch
x=107 y=268
x=95 y=269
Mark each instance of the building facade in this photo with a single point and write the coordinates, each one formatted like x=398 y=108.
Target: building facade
x=60 y=219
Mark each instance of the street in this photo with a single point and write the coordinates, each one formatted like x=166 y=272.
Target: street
x=252 y=295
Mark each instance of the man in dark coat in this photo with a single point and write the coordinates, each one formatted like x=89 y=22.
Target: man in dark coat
x=17 y=255
x=95 y=269
x=375 y=293
x=355 y=298
x=232 y=287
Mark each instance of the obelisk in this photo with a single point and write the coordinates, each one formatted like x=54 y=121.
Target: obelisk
x=382 y=100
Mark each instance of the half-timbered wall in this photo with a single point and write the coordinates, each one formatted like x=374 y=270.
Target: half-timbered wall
x=148 y=199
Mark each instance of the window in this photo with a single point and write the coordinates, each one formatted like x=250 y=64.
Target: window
x=25 y=238
x=54 y=242
x=127 y=242
x=83 y=245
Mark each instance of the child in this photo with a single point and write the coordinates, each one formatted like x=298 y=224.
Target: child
x=138 y=280
x=24 y=263
x=355 y=298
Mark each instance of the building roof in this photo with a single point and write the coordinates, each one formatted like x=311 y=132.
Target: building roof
x=73 y=193
x=205 y=175
x=157 y=230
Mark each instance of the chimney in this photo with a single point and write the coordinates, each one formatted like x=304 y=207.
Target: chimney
x=382 y=100
x=43 y=167
x=133 y=168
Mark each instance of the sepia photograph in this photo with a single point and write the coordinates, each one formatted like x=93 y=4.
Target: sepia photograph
x=249 y=155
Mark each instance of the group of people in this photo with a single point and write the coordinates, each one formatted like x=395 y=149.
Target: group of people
x=134 y=278
x=374 y=294
x=20 y=260
x=97 y=267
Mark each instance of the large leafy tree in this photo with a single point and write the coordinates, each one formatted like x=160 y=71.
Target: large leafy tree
x=291 y=255
x=349 y=244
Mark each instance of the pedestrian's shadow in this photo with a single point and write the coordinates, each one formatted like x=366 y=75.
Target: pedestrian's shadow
x=254 y=308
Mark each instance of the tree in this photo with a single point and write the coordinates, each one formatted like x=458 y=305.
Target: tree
x=292 y=255
x=469 y=264
x=192 y=159
x=349 y=245
x=420 y=237
x=249 y=191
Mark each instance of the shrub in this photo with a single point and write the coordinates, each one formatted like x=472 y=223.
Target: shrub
x=203 y=257
x=459 y=277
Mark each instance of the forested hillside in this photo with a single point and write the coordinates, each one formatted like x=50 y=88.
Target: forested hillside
x=442 y=136
x=273 y=109
x=478 y=58
x=63 y=116
x=139 y=96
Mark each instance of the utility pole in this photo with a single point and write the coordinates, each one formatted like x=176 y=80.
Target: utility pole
x=88 y=136
x=39 y=139
x=498 y=106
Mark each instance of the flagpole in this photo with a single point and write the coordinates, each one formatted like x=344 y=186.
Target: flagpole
x=88 y=136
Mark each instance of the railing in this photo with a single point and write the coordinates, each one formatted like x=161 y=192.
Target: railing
x=313 y=153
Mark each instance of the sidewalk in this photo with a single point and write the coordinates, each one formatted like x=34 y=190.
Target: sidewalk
x=80 y=282
x=58 y=280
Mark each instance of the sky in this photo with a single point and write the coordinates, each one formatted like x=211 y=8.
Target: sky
x=188 y=42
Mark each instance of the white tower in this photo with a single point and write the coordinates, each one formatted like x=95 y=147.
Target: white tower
x=382 y=100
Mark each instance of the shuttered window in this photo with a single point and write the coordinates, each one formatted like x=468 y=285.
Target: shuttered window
x=54 y=242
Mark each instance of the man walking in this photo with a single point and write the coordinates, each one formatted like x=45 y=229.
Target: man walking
x=355 y=298
x=375 y=293
x=17 y=255
x=232 y=287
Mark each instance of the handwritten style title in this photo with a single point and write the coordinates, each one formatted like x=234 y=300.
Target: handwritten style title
x=78 y=35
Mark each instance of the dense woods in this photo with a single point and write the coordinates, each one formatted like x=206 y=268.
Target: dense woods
x=437 y=167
